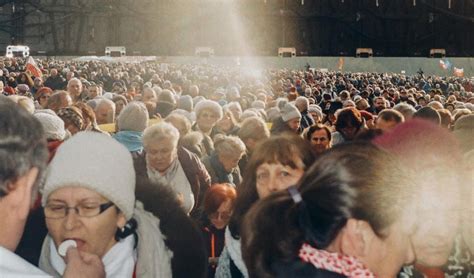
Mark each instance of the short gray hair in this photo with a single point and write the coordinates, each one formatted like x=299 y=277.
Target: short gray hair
x=406 y=109
x=160 y=131
x=302 y=103
x=226 y=145
x=22 y=145
x=180 y=118
x=254 y=128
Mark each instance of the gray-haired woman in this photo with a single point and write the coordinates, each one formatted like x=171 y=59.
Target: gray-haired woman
x=223 y=163
x=164 y=162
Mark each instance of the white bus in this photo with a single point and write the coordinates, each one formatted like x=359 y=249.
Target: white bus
x=17 y=51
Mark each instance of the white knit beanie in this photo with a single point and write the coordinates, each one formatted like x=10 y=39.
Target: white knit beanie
x=97 y=162
x=133 y=117
x=208 y=104
x=53 y=125
x=289 y=112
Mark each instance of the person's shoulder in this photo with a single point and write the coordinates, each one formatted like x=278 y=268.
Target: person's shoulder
x=186 y=154
x=12 y=265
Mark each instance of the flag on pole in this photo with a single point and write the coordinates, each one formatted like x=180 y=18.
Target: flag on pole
x=445 y=64
x=340 y=63
x=458 y=72
x=32 y=67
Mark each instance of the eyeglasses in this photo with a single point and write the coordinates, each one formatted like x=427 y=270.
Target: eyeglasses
x=58 y=211
x=222 y=215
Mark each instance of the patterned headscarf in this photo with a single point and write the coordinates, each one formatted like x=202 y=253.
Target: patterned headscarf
x=73 y=115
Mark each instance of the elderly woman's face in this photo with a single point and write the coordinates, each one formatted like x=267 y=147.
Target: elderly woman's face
x=294 y=124
x=220 y=218
x=315 y=117
x=119 y=105
x=206 y=120
x=236 y=111
x=230 y=160
x=160 y=154
x=43 y=99
x=225 y=124
x=94 y=234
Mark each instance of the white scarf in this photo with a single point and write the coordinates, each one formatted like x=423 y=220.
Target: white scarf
x=177 y=180
x=235 y=252
x=119 y=261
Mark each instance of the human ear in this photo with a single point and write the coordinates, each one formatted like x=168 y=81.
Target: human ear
x=21 y=193
x=356 y=238
x=121 y=220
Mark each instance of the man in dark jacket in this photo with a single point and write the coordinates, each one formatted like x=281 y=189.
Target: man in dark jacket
x=55 y=81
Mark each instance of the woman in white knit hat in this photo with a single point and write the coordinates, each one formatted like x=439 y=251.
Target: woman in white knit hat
x=208 y=112
x=289 y=121
x=89 y=198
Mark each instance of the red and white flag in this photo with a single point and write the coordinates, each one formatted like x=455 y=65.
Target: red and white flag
x=32 y=67
x=458 y=72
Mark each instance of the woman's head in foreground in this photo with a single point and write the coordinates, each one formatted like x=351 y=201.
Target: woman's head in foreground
x=354 y=202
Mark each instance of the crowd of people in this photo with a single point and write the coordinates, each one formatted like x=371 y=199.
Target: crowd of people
x=179 y=170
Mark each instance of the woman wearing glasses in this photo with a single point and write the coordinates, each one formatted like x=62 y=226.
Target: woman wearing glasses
x=218 y=207
x=42 y=96
x=89 y=198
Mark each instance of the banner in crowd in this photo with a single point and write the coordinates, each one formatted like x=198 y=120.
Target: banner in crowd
x=458 y=72
x=32 y=67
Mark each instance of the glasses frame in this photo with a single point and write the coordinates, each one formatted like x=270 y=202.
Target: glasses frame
x=102 y=208
x=220 y=215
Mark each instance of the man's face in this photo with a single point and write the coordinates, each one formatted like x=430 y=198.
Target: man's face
x=379 y=104
x=38 y=82
x=94 y=91
x=69 y=75
x=104 y=114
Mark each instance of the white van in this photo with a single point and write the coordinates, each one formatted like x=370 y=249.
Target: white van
x=17 y=51
x=115 y=51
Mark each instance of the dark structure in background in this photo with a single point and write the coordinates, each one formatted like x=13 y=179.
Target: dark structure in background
x=176 y=27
